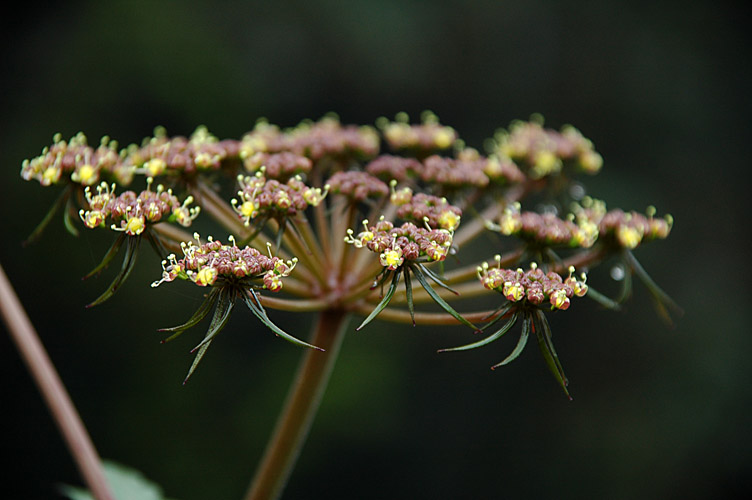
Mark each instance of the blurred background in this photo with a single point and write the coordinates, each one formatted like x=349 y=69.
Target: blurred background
x=662 y=89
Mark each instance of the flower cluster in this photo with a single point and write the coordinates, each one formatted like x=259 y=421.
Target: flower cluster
x=208 y=263
x=280 y=166
x=434 y=211
x=630 y=229
x=588 y=223
x=454 y=172
x=427 y=136
x=408 y=242
x=546 y=228
x=533 y=286
x=390 y=167
x=499 y=169
x=75 y=161
x=259 y=196
x=468 y=169
x=357 y=186
x=232 y=274
x=130 y=212
x=315 y=140
x=622 y=229
x=161 y=155
x=544 y=151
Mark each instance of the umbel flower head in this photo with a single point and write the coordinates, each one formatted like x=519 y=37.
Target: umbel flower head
x=527 y=294
x=405 y=250
x=232 y=273
x=161 y=155
x=131 y=212
x=132 y=215
x=73 y=161
x=260 y=200
x=421 y=193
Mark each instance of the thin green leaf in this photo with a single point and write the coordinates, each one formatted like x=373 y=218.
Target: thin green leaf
x=661 y=300
x=437 y=298
x=61 y=200
x=437 y=279
x=280 y=233
x=384 y=301
x=222 y=312
x=253 y=303
x=196 y=360
x=67 y=221
x=526 y=322
x=409 y=296
x=545 y=343
x=225 y=304
x=129 y=262
x=156 y=244
x=496 y=335
x=111 y=253
x=381 y=278
x=602 y=299
x=497 y=315
x=199 y=315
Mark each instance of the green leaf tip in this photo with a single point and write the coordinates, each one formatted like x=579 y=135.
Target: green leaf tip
x=254 y=304
x=129 y=262
x=385 y=300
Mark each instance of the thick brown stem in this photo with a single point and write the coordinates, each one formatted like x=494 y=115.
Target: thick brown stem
x=300 y=408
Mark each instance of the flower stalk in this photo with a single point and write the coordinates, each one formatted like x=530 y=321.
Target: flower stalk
x=53 y=391
x=300 y=408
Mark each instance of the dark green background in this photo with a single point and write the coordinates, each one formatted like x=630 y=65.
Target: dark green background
x=663 y=90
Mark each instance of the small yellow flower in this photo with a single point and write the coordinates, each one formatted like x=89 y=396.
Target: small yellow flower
x=205 y=276
x=449 y=220
x=155 y=167
x=513 y=291
x=444 y=137
x=391 y=258
x=559 y=299
x=628 y=236
x=85 y=175
x=135 y=225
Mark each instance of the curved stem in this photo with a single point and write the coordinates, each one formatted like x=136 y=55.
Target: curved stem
x=220 y=210
x=423 y=318
x=300 y=408
x=53 y=391
x=297 y=305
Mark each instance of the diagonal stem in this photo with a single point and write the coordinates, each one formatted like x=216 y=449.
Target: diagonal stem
x=300 y=408
x=53 y=391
